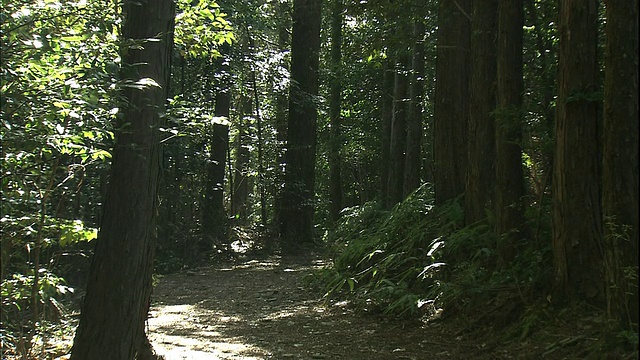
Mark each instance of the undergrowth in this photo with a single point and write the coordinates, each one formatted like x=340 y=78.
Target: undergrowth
x=418 y=254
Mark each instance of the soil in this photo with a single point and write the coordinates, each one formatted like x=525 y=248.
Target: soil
x=263 y=309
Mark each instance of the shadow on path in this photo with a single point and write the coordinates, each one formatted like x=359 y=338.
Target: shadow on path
x=260 y=310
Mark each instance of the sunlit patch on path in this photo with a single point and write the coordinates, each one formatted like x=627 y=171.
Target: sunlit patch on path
x=261 y=310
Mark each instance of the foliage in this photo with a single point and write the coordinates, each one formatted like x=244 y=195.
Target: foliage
x=386 y=259
x=418 y=254
x=201 y=26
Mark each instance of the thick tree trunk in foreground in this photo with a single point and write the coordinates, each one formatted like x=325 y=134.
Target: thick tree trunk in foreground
x=620 y=171
x=480 y=184
x=299 y=192
x=451 y=110
x=119 y=287
x=577 y=218
x=510 y=189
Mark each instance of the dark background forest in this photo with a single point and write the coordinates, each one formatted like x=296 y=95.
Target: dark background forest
x=442 y=154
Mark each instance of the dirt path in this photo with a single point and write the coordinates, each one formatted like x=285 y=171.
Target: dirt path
x=260 y=310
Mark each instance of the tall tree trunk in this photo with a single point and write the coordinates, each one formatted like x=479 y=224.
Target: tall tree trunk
x=299 y=191
x=240 y=194
x=281 y=101
x=510 y=189
x=335 y=141
x=577 y=217
x=398 y=139
x=386 y=104
x=119 y=286
x=413 y=158
x=481 y=152
x=451 y=110
x=214 y=217
x=620 y=170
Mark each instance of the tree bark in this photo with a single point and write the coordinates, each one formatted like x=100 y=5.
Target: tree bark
x=451 y=110
x=510 y=189
x=335 y=141
x=299 y=191
x=577 y=216
x=386 y=104
x=214 y=216
x=240 y=193
x=481 y=176
x=398 y=138
x=119 y=288
x=413 y=158
x=281 y=103
x=620 y=168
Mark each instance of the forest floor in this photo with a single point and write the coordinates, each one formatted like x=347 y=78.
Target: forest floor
x=262 y=309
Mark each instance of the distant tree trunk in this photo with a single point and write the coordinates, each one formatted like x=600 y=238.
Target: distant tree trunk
x=281 y=102
x=510 y=189
x=451 y=110
x=335 y=142
x=240 y=193
x=398 y=139
x=119 y=287
x=261 y=171
x=577 y=217
x=214 y=217
x=386 y=104
x=481 y=152
x=620 y=172
x=413 y=158
x=299 y=191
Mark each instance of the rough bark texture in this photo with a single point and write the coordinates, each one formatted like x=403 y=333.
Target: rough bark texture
x=335 y=142
x=297 y=223
x=451 y=110
x=413 y=158
x=577 y=218
x=119 y=287
x=620 y=170
x=398 y=133
x=510 y=220
x=481 y=176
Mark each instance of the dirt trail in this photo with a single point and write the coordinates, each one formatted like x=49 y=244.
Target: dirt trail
x=260 y=310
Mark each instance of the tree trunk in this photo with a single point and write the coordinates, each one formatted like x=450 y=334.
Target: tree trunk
x=398 y=139
x=240 y=194
x=620 y=170
x=214 y=216
x=299 y=191
x=451 y=110
x=119 y=288
x=413 y=158
x=510 y=189
x=577 y=218
x=386 y=104
x=335 y=141
x=481 y=176
x=281 y=101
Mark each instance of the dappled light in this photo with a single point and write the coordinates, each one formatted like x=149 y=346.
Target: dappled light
x=309 y=179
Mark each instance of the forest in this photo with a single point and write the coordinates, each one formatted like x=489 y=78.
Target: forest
x=391 y=179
